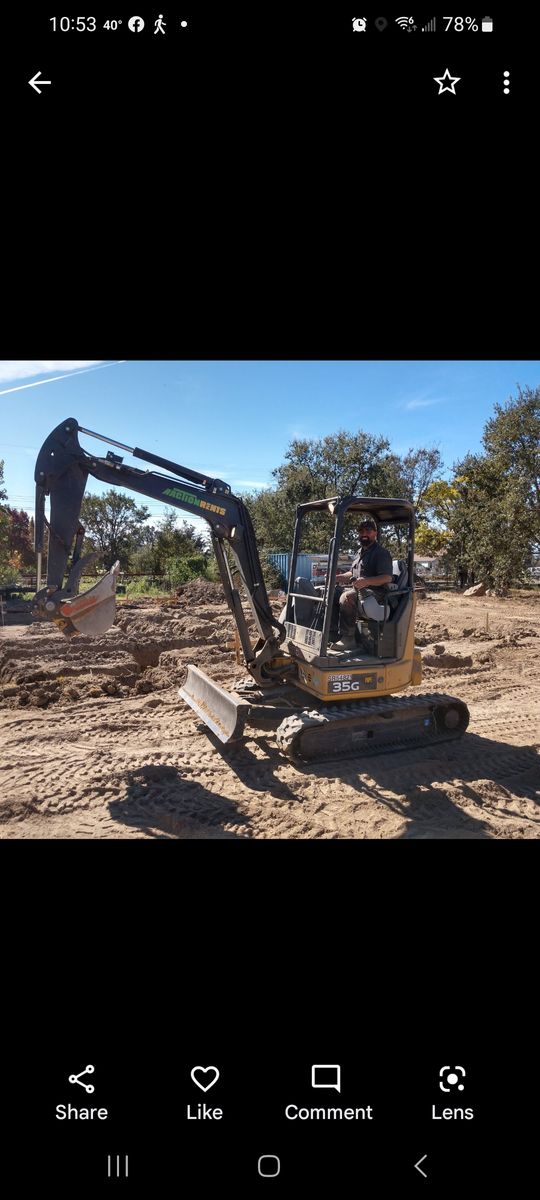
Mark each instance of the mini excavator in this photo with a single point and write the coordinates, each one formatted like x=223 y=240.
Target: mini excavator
x=321 y=703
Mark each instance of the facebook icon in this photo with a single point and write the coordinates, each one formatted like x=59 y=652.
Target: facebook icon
x=136 y=24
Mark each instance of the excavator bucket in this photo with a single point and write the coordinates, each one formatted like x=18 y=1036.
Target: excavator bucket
x=93 y=612
x=224 y=714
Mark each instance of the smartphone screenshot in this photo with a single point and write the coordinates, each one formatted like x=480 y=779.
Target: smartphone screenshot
x=269 y=577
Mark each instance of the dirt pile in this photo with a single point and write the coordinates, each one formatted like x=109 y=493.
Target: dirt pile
x=439 y=659
x=199 y=591
x=95 y=743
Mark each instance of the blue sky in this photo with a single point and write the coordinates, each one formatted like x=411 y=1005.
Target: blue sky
x=235 y=419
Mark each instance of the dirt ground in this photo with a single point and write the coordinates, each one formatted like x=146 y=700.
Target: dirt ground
x=95 y=742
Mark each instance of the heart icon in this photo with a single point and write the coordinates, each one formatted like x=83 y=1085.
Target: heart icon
x=198 y=1075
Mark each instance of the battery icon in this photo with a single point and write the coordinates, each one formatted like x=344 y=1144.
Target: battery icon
x=487 y=24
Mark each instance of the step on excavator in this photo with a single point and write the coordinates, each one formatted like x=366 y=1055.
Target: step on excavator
x=322 y=702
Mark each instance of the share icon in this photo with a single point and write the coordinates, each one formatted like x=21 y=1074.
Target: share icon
x=89 y=1087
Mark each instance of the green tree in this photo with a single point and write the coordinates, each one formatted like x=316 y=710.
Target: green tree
x=180 y=551
x=434 y=515
x=512 y=440
x=168 y=549
x=438 y=502
x=340 y=464
x=491 y=533
x=273 y=514
x=434 y=543
x=114 y=526
x=5 y=566
x=495 y=520
x=416 y=473
x=146 y=558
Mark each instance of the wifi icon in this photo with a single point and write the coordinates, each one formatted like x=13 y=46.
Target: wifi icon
x=406 y=23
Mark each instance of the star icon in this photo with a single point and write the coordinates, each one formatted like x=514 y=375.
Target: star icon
x=449 y=85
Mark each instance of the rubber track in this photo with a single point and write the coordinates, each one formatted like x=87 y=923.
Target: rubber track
x=289 y=734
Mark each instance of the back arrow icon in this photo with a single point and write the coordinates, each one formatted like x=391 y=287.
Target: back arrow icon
x=33 y=82
x=418 y=1167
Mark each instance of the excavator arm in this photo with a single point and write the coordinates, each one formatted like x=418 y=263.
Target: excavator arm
x=62 y=470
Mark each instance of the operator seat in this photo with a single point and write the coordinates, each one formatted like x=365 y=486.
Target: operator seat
x=400 y=581
x=370 y=606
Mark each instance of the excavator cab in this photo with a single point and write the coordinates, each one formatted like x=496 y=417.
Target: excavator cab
x=311 y=612
x=384 y=658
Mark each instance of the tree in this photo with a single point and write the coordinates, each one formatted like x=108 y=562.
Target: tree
x=5 y=567
x=340 y=464
x=180 y=550
x=146 y=558
x=491 y=531
x=177 y=551
x=418 y=469
x=14 y=551
x=512 y=440
x=433 y=543
x=494 y=519
x=114 y=526
x=20 y=537
x=438 y=502
x=272 y=513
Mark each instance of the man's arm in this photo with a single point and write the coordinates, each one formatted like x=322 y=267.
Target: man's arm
x=371 y=581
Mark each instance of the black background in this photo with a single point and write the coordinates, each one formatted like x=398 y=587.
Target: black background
x=284 y=194
x=270 y=186
x=263 y=963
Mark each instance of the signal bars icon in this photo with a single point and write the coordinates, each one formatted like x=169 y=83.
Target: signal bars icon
x=431 y=26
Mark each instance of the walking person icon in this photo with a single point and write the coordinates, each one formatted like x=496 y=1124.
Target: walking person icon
x=159 y=28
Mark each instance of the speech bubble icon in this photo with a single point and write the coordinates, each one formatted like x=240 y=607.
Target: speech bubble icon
x=324 y=1075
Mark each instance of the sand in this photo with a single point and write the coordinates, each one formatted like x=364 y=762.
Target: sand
x=95 y=742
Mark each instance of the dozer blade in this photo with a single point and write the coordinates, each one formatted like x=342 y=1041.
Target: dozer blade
x=224 y=714
x=93 y=612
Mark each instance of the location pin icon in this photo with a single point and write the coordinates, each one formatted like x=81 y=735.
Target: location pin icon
x=380 y=23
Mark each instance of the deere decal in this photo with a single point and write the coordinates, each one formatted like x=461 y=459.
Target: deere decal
x=178 y=494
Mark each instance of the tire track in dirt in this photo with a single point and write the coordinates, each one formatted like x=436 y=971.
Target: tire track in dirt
x=138 y=763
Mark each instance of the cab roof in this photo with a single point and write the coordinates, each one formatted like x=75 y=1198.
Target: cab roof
x=383 y=509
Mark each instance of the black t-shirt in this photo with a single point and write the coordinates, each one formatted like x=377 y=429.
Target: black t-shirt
x=372 y=561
